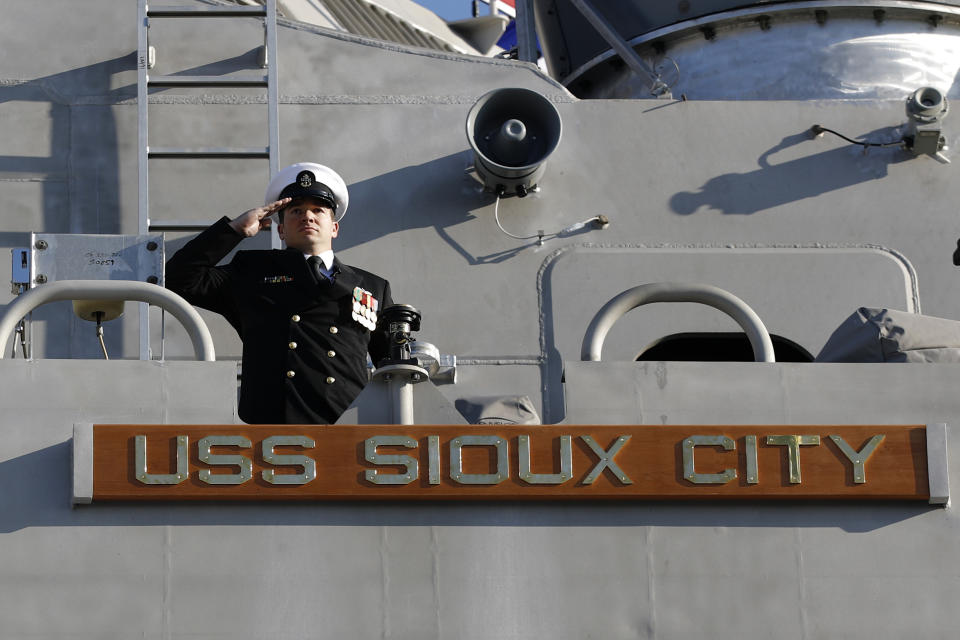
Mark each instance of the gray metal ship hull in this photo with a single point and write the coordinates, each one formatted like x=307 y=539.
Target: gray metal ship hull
x=732 y=192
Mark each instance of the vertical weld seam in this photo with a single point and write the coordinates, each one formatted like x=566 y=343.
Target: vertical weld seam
x=97 y=198
x=384 y=585
x=165 y=387
x=167 y=580
x=651 y=584
x=70 y=178
x=801 y=583
x=545 y=399
x=546 y=355
x=784 y=379
x=435 y=559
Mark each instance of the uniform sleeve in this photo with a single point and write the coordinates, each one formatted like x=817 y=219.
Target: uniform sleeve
x=379 y=338
x=192 y=272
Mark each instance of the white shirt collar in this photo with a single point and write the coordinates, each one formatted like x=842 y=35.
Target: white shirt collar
x=326 y=256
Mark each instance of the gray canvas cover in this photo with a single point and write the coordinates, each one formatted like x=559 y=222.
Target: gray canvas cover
x=498 y=410
x=888 y=335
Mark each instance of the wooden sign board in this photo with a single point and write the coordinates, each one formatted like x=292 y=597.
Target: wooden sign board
x=509 y=462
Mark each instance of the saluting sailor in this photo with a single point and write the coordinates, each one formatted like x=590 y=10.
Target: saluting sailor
x=307 y=320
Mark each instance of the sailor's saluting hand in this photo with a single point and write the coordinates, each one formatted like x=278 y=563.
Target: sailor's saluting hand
x=253 y=221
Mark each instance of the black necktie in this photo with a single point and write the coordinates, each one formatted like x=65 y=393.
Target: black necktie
x=317 y=265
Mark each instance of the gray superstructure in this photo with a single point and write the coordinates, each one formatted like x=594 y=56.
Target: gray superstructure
x=719 y=179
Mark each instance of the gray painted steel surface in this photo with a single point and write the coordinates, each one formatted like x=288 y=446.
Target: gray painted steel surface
x=474 y=570
x=732 y=193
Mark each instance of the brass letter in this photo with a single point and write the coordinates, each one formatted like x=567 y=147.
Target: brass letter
x=140 y=463
x=433 y=459
x=246 y=466
x=793 y=444
x=456 y=462
x=690 y=473
x=566 y=463
x=606 y=460
x=309 y=464
x=412 y=467
x=753 y=475
x=858 y=458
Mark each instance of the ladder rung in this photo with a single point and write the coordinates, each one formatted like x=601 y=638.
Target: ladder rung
x=207 y=81
x=208 y=152
x=205 y=12
x=171 y=225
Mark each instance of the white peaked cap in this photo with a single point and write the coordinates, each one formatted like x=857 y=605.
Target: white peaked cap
x=309 y=179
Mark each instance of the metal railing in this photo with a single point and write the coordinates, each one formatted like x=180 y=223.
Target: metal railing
x=126 y=290
x=715 y=297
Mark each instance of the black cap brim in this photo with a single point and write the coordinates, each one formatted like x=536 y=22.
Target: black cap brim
x=317 y=190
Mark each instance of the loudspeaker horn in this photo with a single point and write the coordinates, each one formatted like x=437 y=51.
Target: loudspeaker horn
x=512 y=133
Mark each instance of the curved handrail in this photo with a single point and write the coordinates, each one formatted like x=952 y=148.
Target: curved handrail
x=111 y=290
x=715 y=297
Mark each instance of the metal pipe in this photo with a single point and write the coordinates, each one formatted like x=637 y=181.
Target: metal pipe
x=526 y=32
x=273 y=99
x=401 y=399
x=616 y=41
x=715 y=297
x=111 y=290
x=143 y=150
x=399 y=380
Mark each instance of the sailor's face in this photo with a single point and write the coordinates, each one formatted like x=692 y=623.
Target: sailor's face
x=308 y=225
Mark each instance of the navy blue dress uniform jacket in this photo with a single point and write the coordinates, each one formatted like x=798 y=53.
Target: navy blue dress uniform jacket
x=304 y=357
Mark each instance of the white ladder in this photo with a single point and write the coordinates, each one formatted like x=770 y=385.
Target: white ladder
x=145 y=81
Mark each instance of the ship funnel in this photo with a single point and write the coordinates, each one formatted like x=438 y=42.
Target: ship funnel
x=512 y=133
